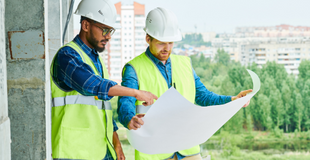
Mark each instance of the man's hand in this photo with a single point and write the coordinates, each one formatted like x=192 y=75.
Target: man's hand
x=242 y=94
x=119 y=152
x=118 y=147
x=145 y=96
x=135 y=122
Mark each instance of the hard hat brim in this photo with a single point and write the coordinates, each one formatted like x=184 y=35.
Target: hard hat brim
x=176 y=38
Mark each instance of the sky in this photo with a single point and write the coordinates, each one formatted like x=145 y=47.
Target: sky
x=222 y=16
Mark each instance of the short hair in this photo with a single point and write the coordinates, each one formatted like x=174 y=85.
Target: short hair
x=83 y=18
x=87 y=19
x=150 y=37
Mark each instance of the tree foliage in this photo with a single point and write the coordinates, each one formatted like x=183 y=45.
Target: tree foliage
x=283 y=102
x=194 y=39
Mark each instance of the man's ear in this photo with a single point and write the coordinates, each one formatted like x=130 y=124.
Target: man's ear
x=148 y=39
x=85 y=26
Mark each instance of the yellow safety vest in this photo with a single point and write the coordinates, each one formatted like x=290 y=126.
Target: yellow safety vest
x=82 y=126
x=150 y=79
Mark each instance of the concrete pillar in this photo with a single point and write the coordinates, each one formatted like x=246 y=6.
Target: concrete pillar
x=5 y=136
x=32 y=34
x=26 y=50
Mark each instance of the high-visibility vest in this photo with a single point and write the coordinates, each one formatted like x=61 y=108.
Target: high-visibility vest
x=82 y=126
x=150 y=79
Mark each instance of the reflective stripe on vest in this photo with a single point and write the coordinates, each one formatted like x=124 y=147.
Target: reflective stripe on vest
x=150 y=79
x=79 y=99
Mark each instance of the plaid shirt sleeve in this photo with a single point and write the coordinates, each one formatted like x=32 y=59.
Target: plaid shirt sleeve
x=70 y=72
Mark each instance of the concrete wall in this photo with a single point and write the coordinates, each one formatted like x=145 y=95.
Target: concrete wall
x=26 y=75
x=30 y=34
x=5 y=139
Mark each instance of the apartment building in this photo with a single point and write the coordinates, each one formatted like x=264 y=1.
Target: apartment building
x=289 y=52
x=284 y=44
x=282 y=30
x=128 y=41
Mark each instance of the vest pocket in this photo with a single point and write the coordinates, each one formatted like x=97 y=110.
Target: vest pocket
x=75 y=143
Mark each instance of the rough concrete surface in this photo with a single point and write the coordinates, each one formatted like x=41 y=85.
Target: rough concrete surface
x=27 y=116
x=26 y=69
x=23 y=15
x=25 y=79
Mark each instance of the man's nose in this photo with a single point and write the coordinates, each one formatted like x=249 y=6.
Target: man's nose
x=108 y=36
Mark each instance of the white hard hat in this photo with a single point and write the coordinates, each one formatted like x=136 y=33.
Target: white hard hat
x=162 y=25
x=102 y=11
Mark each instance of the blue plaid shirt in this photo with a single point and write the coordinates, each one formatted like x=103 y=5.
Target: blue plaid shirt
x=70 y=72
x=126 y=105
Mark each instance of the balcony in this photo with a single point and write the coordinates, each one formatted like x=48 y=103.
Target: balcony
x=287 y=62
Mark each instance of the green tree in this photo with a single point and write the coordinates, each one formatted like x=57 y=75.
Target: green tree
x=249 y=122
x=277 y=107
x=263 y=104
x=304 y=69
x=237 y=74
x=306 y=102
x=222 y=57
x=299 y=111
x=276 y=71
x=286 y=97
x=227 y=87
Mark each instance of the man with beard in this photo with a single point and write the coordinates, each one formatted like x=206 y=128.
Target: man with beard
x=82 y=121
x=156 y=70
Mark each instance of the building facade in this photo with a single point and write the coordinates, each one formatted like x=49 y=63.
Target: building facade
x=284 y=44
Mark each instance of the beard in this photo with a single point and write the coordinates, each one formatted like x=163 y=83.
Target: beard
x=94 y=42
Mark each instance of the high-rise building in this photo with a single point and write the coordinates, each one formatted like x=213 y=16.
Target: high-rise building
x=128 y=41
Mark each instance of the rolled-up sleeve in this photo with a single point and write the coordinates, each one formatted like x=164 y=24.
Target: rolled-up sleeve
x=126 y=105
x=115 y=128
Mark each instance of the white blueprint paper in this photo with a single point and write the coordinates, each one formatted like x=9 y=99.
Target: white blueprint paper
x=173 y=123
